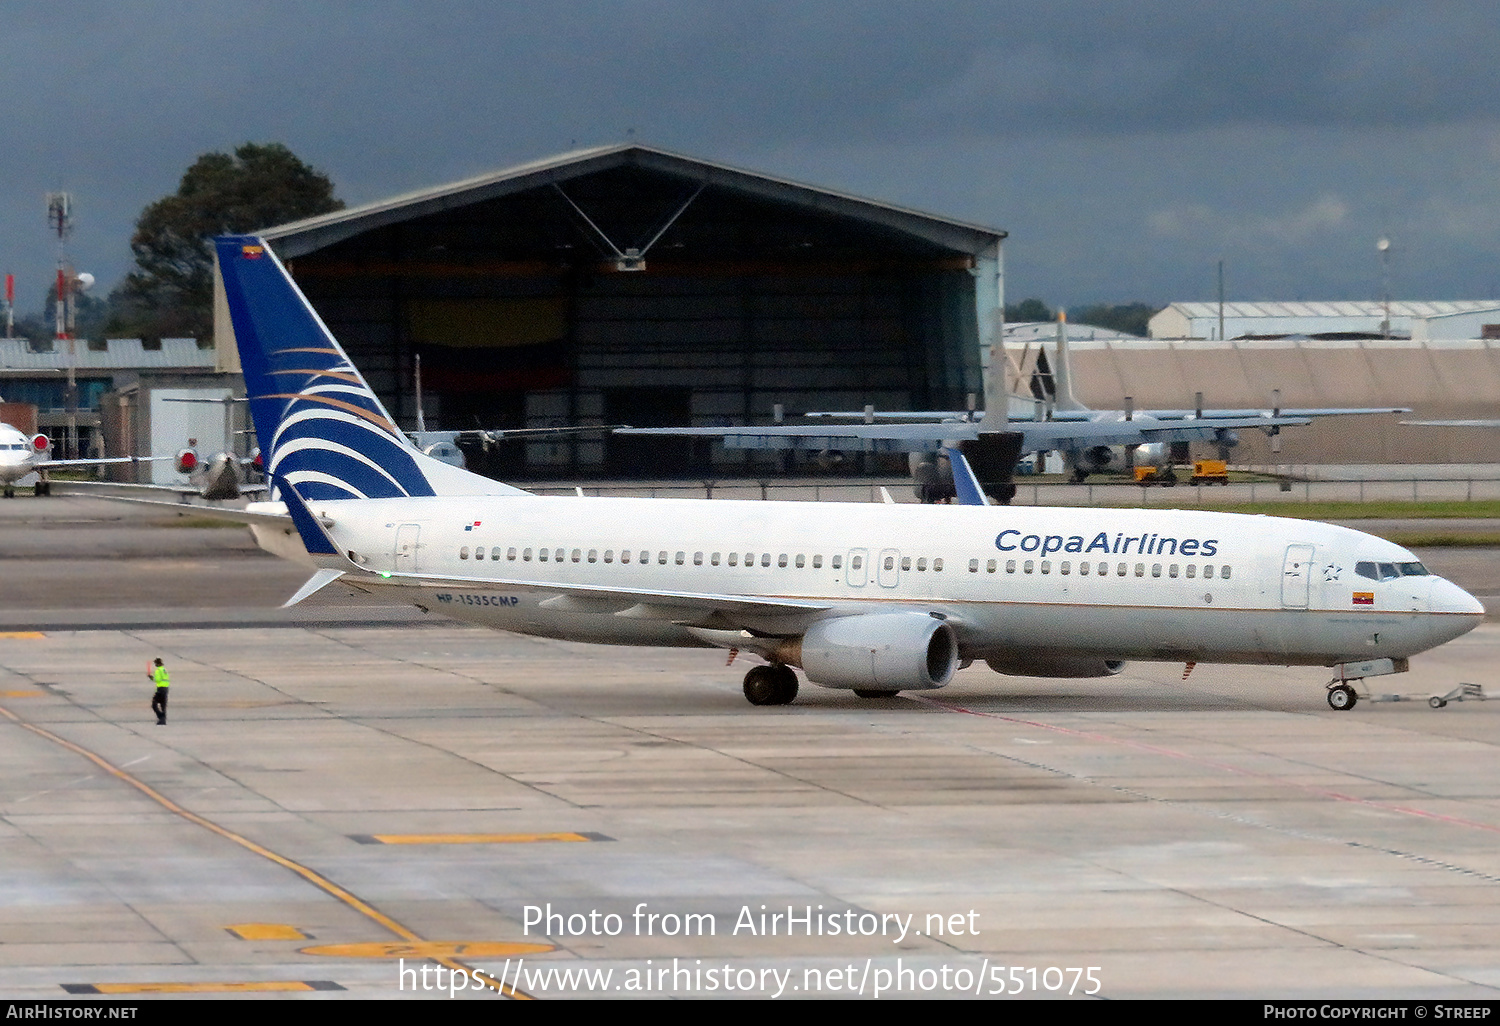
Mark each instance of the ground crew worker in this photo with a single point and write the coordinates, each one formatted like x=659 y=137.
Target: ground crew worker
x=163 y=680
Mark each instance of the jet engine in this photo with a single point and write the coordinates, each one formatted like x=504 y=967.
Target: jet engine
x=876 y=651
x=41 y=443
x=187 y=461
x=1021 y=664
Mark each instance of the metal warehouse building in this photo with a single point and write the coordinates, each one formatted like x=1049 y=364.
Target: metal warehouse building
x=628 y=285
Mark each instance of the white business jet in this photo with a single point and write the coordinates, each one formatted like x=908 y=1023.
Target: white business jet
x=21 y=455
x=873 y=598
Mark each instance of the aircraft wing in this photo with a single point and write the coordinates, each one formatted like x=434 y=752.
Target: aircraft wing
x=54 y=464
x=186 y=491
x=1036 y=435
x=231 y=514
x=1454 y=423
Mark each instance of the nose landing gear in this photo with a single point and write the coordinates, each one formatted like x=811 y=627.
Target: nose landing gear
x=1342 y=697
x=775 y=684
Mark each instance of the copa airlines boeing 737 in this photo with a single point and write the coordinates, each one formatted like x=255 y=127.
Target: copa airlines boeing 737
x=874 y=598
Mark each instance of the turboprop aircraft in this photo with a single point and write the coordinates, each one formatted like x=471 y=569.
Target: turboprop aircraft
x=873 y=598
x=21 y=455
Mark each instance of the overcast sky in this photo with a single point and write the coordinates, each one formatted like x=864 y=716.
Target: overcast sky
x=1127 y=147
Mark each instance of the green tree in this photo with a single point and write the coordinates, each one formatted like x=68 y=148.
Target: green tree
x=1132 y=318
x=171 y=290
x=1028 y=310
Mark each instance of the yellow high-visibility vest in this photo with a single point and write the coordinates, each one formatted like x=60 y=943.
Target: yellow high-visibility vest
x=161 y=676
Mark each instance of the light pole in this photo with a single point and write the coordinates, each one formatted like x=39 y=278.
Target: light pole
x=1384 y=246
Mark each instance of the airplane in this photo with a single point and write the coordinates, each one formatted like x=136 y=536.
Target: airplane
x=1052 y=419
x=21 y=455
x=221 y=476
x=872 y=598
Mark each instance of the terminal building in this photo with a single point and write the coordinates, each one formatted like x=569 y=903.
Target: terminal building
x=629 y=285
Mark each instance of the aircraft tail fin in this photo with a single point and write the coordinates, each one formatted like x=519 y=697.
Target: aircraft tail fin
x=1062 y=373
x=323 y=430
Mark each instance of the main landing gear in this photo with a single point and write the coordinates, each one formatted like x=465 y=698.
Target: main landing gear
x=775 y=684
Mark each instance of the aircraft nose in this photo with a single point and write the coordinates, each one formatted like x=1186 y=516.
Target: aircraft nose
x=1463 y=611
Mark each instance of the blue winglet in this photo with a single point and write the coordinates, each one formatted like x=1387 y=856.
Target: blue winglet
x=965 y=485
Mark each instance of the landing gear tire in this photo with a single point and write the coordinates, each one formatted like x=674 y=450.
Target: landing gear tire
x=874 y=693
x=10 y=493
x=1342 y=698
x=43 y=488
x=1436 y=702
x=771 y=685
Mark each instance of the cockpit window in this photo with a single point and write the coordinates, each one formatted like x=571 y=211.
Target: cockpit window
x=1389 y=571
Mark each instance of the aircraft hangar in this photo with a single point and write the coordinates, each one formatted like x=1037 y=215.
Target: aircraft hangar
x=628 y=285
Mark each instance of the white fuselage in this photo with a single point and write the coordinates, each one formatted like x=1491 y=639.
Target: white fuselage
x=1127 y=584
x=16 y=455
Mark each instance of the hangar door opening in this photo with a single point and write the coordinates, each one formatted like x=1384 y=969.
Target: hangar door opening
x=648 y=407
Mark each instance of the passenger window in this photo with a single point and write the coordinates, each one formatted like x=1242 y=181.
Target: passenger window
x=906 y=562
x=681 y=558
x=921 y=564
x=593 y=555
x=714 y=559
x=749 y=559
x=697 y=559
x=801 y=561
x=1140 y=569
x=624 y=555
x=1224 y=572
x=526 y=556
x=890 y=562
x=837 y=562
x=609 y=555
x=765 y=559
x=577 y=555
x=1155 y=569
x=1083 y=568
x=661 y=557
x=937 y=565
x=557 y=557
x=510 y=554
x=734 y=559
x=989 y=567
x=1208 y=572
x=1192 y=570
x=855 y=563
x=781 y=561
x=463 y=553
x=973 y=566
x=1172 y=570
x=1046 y=566
x=541 y=555
x=1028 y=566
x=1065 y=567
x=1010 y=565
x=1122 y=569
x=818 y=562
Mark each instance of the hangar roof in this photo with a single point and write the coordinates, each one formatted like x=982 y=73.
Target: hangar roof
x=314 y=233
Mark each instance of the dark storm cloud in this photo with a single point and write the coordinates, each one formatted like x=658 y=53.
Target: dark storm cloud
x=1258 y=130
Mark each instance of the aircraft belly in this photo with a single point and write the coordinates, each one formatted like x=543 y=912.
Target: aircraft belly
x=1276 y=636
x=522 y=612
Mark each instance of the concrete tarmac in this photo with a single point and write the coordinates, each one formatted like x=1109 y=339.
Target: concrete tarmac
x=330 y=798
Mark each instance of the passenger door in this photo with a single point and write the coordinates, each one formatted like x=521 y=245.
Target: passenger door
x=404 y=558
x=1296 y=576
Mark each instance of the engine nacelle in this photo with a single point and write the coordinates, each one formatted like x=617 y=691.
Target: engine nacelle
x=41 y=443
x=1096 y=459
x=1024 y=665
x=880 y=651
x=187 y=461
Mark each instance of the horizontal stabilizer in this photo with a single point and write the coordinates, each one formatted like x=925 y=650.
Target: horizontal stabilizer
x=316 y=583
